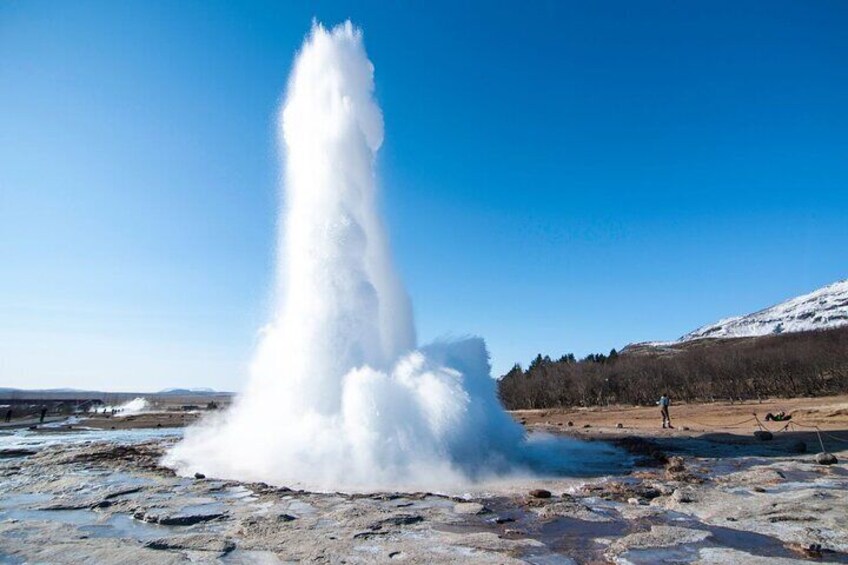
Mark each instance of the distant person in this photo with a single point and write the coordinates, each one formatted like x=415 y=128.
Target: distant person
x=43 y=414
x=8 y=415
x=664 y=403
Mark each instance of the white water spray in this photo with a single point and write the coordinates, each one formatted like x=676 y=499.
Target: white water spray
x=133 y=407
x=339 y=396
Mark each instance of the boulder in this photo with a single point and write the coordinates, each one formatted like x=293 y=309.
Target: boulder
x=675 y=470
x=683 y=496
x=540 y=493
x=675 y=465
x=810 y=551
x=825 y=458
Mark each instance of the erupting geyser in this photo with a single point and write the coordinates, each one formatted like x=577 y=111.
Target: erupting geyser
x=339 y=396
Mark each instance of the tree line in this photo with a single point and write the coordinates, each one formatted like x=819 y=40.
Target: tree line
x=785 y=365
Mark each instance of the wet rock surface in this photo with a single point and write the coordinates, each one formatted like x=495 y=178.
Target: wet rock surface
x=102 y=502
x=469 y=508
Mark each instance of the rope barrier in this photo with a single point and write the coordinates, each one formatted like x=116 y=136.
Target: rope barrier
x=818 y=433
x=821 y=432
x=831 y=436
x=785 y=428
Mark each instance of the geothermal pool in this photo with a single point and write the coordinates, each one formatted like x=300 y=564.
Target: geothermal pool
x=555 y=454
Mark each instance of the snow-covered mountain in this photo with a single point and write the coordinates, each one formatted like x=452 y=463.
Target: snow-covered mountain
x=821 y=309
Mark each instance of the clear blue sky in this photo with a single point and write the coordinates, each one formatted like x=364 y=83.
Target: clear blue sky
x=557 y=176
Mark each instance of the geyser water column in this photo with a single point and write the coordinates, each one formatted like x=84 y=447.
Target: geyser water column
x=342 y=305
x=339 y=397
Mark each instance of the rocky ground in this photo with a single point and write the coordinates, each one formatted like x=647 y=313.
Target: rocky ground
x=693 y=498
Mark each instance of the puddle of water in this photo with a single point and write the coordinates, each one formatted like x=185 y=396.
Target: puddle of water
x=24 y=499
x=124 y=526
x=670 y=555
x=73 y=517
x=30 y=439
x=126 y=480
x=238 y=492
x=573 y=533
x=753 y=543
x=566 y=539
x=579 y=539
x=300 y=508
x=548 y=559
x=8 y=559
x=557 y=456
x=749 y=542
x=94 y=524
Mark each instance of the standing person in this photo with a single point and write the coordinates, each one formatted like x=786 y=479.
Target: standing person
x=44 y=413
x=664 y=403
x=8 y=415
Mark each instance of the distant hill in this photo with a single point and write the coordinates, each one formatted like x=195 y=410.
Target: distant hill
x=172 y=394
x=186 y=391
